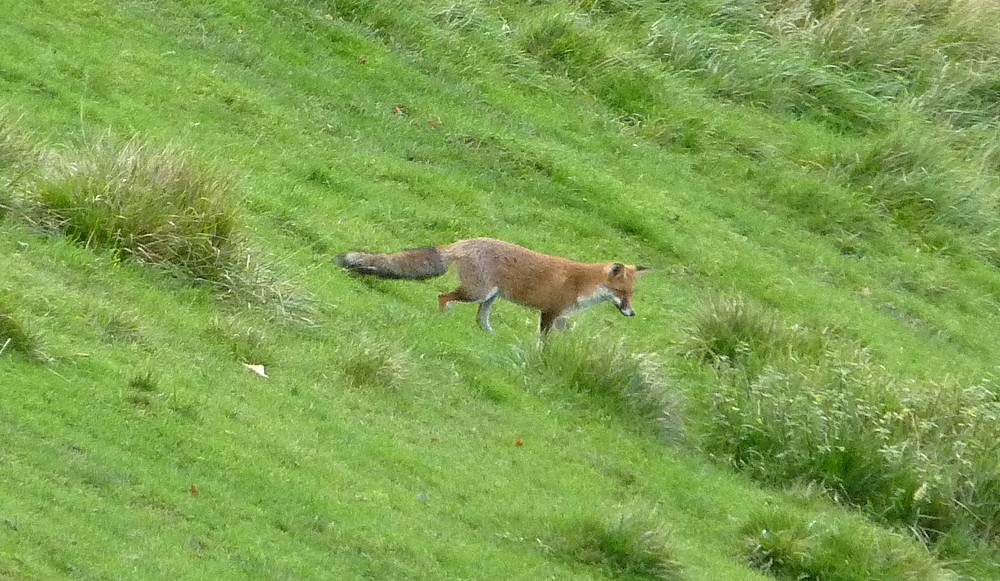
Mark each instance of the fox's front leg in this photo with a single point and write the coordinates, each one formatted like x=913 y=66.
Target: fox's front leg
x=548 y=320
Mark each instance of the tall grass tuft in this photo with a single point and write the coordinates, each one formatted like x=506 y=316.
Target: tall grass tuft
x=914 y=180
x=735 y=333
x=940 y=57
x=157 y=205
x=630 y=545
x=750 y=68
x=633 y=385
x=920 y=456
x=375 y=364
x=566 y=44
x=788 y=547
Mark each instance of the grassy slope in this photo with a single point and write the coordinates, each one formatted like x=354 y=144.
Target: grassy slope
x=302 y=474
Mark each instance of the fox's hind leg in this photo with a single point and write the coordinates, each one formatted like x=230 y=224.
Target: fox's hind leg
x=457 y=295
x=485 y=300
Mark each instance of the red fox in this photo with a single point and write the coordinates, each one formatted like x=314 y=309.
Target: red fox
x=489 y=268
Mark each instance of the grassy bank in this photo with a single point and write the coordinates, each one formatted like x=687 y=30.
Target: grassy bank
x=806 y=392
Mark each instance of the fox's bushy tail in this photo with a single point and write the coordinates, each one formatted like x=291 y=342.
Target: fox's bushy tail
x=415 y=264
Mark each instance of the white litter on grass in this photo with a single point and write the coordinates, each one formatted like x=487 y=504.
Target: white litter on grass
x=258 y=369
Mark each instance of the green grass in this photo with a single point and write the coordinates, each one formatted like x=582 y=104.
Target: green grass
x=813 y=182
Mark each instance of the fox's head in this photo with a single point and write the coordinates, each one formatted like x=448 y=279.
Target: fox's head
x=621 y=282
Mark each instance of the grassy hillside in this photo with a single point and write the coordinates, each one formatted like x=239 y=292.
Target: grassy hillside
x=806 y=393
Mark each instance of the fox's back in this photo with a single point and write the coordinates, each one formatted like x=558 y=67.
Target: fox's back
x=520 y=274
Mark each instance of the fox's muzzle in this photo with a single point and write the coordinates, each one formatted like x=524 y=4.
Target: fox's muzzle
x=625 y=307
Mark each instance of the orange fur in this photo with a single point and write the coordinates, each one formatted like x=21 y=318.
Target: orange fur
x=488 y=269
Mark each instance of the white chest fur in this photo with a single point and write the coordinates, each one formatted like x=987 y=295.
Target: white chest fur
x=599 y=296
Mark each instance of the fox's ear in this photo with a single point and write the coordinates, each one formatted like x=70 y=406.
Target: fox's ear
x=617 y=270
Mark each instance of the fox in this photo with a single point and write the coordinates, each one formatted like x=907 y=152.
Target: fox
x=489 y=269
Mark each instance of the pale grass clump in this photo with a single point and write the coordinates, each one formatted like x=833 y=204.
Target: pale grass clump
x=794 y=405
x=748 y=67
x=246 y=344
x=19 y=157
x=461 y=16
x=970 y=27
x=854 y=35
x=789 y=546
x=918 y=182
x=918 y=455
x=940 y=57
x=919 y=78
x=734 y=333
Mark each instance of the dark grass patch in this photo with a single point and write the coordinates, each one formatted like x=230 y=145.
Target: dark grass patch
x=144 y=382
x=156 y=205
x=629 y=545
x=503 y=157
x=121 y=327
x=16 y=335
x=375 y=365
x=734 y=332
x=141 y=392
x=630 y=385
